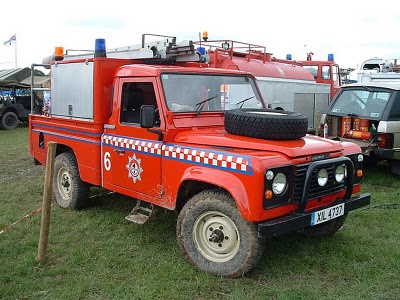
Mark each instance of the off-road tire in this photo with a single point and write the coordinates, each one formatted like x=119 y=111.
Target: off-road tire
x=9 y=120
x=238 y=249
x=69 y=190
x=266 y=124
x=325 y=229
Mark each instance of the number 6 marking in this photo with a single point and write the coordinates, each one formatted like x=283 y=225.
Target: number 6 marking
x=107 y=161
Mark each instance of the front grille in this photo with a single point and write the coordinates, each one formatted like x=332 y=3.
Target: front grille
x=315 y=191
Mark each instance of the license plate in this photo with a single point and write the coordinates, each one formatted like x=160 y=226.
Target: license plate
x=327 y=214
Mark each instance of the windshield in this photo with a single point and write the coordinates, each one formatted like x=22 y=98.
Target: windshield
x=362 y=102
x=197 y=93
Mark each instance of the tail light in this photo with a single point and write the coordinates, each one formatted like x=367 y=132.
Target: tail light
x=385 y=140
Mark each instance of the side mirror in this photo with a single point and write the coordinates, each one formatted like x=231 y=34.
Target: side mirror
x=147 y=116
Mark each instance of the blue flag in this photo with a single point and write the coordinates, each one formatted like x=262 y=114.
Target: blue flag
x=9 y=42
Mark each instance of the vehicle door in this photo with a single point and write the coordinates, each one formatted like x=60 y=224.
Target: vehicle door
x=131 y=154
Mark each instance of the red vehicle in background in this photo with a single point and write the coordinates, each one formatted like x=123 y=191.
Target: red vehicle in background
x=284 y=83
x=324 y=71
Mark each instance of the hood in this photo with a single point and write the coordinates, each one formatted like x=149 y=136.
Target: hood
x=219 y=138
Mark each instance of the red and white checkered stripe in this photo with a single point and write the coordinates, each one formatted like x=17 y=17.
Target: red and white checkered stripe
x=207 y=158
x=198 y=156
x=137 y=145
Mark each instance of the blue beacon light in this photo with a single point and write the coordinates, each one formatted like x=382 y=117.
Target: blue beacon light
x=100 y=48
x=201 y=50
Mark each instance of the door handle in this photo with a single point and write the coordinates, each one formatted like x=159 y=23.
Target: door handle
x=109 y=126
x=119 y=151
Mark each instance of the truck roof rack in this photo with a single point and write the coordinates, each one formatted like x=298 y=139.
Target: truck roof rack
x=166 y=49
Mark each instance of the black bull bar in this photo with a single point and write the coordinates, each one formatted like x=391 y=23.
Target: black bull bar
x=300 y=219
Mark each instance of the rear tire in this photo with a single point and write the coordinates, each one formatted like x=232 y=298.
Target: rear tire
x=215 y=238
x=69 y=190
x=9 y=120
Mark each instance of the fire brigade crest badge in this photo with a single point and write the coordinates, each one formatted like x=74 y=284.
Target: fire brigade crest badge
x=134 y=168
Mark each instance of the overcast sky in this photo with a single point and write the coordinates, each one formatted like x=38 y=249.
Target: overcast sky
x=352 y=30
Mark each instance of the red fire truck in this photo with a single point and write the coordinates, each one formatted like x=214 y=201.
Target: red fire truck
x=324 y=71
x=284 y=83
x=163 y=127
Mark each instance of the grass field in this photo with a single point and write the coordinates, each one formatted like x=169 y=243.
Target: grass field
x=97 y=254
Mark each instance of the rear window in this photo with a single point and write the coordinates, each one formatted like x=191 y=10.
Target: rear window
x=364 y=103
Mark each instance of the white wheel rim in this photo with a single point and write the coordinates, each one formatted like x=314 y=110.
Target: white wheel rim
x=216 y=236
x=64 y=183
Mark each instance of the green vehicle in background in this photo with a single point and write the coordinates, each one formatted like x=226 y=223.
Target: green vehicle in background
x=15 y=104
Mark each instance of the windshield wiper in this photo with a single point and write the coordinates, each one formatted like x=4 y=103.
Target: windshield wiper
x=201 y=104
x=243 y=101
x=352 y=115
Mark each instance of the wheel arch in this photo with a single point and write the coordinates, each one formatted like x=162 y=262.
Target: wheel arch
x=194 y=181
x=61 y=148
x=41 y=143
x=10 y=109
x=85 y=173
x=87 y=157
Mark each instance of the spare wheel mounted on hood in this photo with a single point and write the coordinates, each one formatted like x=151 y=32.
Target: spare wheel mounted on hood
x=266 y=124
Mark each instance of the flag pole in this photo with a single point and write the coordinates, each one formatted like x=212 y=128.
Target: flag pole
x=16 y=61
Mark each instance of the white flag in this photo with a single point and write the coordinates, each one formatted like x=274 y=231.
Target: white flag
x=9 y=42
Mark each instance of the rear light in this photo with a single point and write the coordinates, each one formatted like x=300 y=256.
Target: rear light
x=385 y=140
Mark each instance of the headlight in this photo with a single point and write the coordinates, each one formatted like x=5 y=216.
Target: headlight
x=269 y=175
x=360 y=157
x=279 y=184
x=340 y=173
x=322 y=177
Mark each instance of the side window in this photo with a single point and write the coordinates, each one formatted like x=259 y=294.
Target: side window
x=336 y=75
x=313 y=70
x=394 y=114
x=326 y=72
x=134 y=96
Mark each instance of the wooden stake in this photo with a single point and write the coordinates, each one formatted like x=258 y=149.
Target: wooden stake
x=47 y=195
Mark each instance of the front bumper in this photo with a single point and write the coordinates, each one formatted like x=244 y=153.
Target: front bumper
x=298 y=220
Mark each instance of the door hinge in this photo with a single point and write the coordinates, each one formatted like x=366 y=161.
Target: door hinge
x=161 y=190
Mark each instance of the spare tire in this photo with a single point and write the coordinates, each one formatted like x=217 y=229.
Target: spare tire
x=266 y=124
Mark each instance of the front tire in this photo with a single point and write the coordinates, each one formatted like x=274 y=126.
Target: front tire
x=215 y=238
x=69 y=190
x=9 y=121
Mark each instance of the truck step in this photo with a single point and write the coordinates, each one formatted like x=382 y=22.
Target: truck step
x=140 y=213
